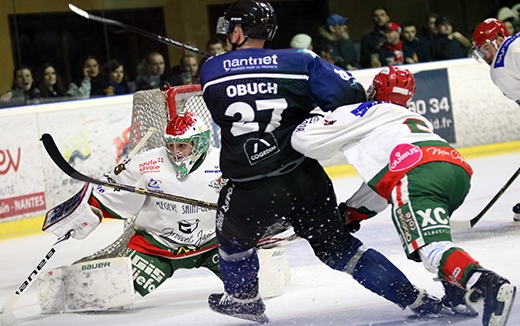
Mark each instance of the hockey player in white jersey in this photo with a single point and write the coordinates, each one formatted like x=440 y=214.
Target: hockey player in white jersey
x=492 y=44
x=404 y=164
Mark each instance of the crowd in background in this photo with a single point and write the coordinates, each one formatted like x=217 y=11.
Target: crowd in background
x=387 y=43
x=93 y=79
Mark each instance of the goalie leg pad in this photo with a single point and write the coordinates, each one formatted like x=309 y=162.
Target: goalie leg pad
x=97 y=285
x=274 y=271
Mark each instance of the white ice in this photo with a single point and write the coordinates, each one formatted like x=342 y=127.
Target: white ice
x=316 y=294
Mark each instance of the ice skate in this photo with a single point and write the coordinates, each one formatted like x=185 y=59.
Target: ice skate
x=418 y=300
x=498 y=294
x=454 y=300
x=250 y=309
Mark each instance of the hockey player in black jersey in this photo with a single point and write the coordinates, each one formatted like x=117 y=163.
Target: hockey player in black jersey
x=258 y=96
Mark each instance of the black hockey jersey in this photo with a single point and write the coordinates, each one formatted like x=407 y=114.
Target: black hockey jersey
x=258 y=97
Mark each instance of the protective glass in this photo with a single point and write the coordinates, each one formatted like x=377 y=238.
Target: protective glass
x=481 y=53
x=222 y=25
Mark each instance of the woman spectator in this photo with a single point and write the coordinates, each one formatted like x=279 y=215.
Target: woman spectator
x=115 y=72
x=90 y=83
x=48 y=82
x=23 y=90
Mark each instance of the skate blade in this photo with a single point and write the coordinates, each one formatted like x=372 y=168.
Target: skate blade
x=506 y=298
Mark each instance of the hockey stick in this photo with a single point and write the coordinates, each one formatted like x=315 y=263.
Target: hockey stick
x=54 y=153
x=459 y=225
x=136 y=30
x=7 y=317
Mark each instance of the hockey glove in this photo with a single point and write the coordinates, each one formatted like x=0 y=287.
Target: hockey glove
x=351 y=217
x=73 y=214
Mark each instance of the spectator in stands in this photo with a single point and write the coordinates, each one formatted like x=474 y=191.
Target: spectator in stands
x=152 y=71
x=323 y=50
x=410 y=39
x=343 y=50
x=394 y=51
x=89 y=83
x=213 y=46
x=301 y=41
x=374 y=39
x=510 y=19
x=429 y=31
x=115 y=73
x=449 y=44
x=187 y=70
x=48 y=82
x=23 y=90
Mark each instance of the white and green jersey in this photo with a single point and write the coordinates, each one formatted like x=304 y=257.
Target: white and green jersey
x=383 y=141
x=164 y=228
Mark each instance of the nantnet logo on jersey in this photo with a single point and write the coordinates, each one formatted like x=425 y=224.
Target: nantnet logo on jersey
x=269 y=61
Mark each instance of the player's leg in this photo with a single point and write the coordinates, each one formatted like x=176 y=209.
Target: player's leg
x=337 y=248
x=149 y=272
x=421 y=207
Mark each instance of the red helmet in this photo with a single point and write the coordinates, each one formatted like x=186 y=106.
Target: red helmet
x=392 y=84
x=487 y=31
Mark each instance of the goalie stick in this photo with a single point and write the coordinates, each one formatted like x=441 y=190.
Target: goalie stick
x=54 y=153
x=136 y=30
x=7 y=317
x=459 y=225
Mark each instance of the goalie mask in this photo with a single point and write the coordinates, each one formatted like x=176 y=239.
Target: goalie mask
x=187 y=140
x=484 y=39
x=392 y=84
x=257 y=19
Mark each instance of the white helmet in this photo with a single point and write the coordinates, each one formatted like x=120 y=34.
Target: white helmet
x=187 y=140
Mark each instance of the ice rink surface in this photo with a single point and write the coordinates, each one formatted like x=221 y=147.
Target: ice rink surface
x=316 y=295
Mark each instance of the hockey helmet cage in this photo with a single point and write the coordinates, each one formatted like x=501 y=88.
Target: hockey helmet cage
x=187 y=140
x=393 y=84
x=257 y=18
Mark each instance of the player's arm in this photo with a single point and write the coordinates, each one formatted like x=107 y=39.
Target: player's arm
x=331 y=86
x=364 y=204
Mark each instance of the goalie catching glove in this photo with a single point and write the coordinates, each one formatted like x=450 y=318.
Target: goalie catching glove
x=74 y=214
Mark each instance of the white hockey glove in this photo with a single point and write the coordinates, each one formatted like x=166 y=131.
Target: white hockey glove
x=74 y=214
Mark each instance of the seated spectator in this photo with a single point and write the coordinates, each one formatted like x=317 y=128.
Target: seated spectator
x=301 y=41
x=394 y=51
x=23 y=90
x=374 y=39
x=152 y=71
x=510 y=19
x=449 y=44
x=115 y=72
x=188 y=69
x=343 y=50
x=429 y=31
x=420 y=47
x=323 y=50
x=213 y=47
x=49 y=83
x=89 y=83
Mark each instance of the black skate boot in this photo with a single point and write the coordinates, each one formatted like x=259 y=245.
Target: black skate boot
x=250 y=309
x=454 y=300
x=498 y=295
x=418 y=300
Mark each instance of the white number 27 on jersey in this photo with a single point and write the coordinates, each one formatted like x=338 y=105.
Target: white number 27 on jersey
x=246 y=123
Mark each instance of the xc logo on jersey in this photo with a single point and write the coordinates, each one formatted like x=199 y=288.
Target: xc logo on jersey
x=434 y=216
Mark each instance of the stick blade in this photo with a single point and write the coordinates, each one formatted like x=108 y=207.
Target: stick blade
x=7 y=316
x=78 y=11
x=461 y=225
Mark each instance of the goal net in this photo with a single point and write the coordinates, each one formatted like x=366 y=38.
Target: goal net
x=150 y=114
